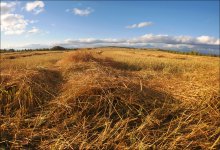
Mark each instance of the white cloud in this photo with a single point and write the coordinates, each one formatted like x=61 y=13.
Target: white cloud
x=7 y=7
x=33 y=21
x=140 y=25
x=33 y=30
x=82 y=12
x=36 y=7
x=206 y=39
x=13 y=24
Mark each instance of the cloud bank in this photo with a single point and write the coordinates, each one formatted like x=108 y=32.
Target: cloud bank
x=200 y=43
x=149 y=38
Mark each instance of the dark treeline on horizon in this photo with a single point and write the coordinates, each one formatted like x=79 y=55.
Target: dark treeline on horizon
x=58 y=48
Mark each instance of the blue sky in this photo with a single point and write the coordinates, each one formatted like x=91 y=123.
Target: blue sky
x=164 y=24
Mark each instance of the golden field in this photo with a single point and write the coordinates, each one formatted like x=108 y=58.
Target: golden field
x=109 y=98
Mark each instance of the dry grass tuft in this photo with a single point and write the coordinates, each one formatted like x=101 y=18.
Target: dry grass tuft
x=79 y=56
x=28 y=91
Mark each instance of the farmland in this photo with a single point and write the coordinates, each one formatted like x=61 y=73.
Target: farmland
x=109 y=98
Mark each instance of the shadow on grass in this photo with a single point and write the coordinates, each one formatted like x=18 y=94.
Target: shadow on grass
x=108 y=62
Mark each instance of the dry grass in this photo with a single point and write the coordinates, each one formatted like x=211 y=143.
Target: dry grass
x=110 y=99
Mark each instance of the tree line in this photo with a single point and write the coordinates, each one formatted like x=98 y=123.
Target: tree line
x=55 y=48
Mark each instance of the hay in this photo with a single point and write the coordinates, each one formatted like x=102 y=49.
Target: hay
x=92 y=102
